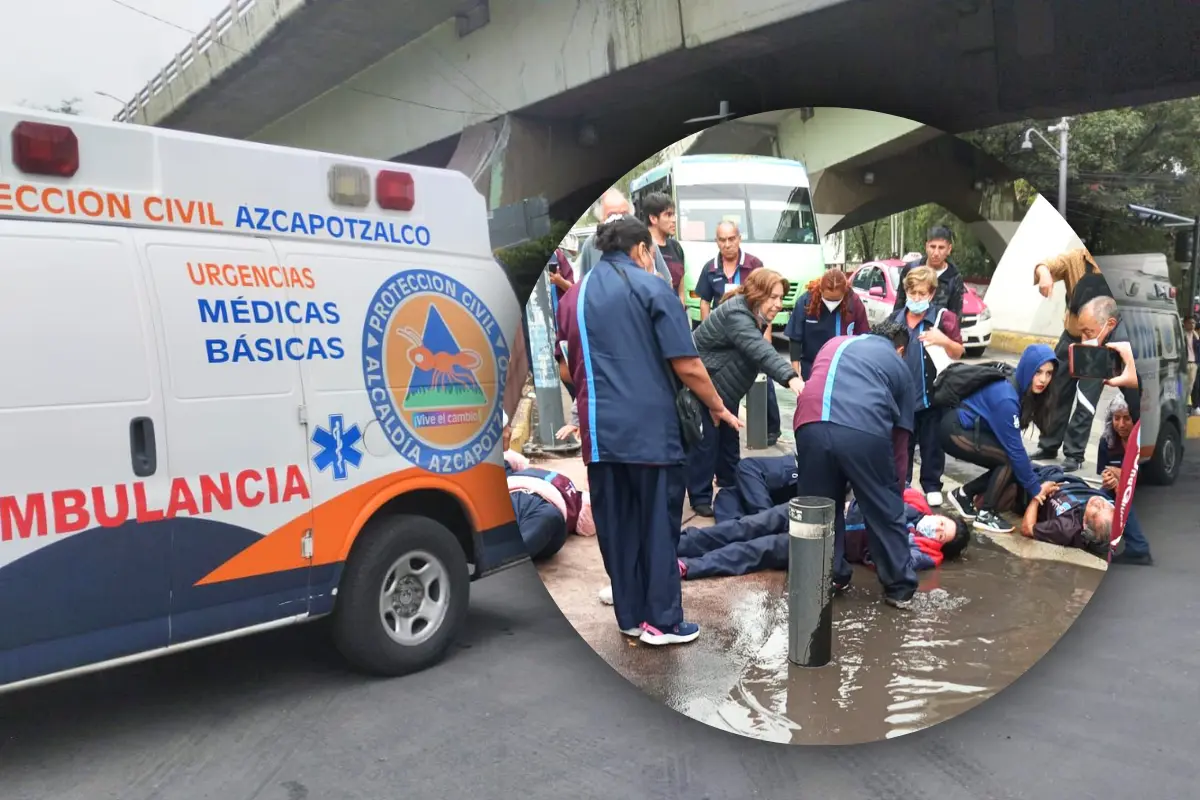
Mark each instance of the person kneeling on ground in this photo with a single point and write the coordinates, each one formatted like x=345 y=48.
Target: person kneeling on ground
x=985 y=429
x=1110 y=461
x=760 y=541
x=758 y=484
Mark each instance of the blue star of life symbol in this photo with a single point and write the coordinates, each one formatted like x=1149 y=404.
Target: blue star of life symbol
x=339 y=447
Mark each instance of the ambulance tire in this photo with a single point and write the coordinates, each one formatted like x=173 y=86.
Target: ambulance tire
x=359 y=629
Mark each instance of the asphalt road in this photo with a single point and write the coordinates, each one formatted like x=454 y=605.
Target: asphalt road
x=523 y=708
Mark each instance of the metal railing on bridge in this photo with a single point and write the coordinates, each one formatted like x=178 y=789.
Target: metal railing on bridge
x=197 y=47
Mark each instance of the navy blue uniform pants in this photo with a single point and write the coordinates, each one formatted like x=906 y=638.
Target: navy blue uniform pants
x=928 y=436
x=543 y=527
x=835 y=456
x=638 y=511
x=716 y=454
x=738 y=546
x=1134 y=536
x=759 y=484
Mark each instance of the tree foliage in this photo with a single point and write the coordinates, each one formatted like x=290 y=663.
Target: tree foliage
x=1147 y=155
x=67 y=106
x=874 y=240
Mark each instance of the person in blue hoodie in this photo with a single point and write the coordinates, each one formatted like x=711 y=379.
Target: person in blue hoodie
x=986 y=429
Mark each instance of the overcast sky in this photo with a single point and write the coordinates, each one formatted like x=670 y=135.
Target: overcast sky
x=57 y=49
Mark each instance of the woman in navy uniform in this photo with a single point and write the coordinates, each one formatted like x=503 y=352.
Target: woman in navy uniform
x=826 y=309
x=626 y=338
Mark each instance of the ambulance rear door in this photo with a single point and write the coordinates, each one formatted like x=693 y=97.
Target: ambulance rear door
x=234 y=408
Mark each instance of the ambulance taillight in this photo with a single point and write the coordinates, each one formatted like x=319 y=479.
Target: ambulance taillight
x=42 y=149
x=394 y=190
x=349 y=186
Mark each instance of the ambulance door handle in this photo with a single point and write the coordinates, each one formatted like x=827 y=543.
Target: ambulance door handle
x=141 y=447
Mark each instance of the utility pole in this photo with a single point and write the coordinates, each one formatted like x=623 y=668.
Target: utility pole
x=1063 y=130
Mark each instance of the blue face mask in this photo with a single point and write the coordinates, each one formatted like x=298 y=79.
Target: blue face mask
x=918 y=306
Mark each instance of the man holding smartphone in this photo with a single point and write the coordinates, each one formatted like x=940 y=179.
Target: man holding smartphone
x=1100 y=325
x=1084 y=283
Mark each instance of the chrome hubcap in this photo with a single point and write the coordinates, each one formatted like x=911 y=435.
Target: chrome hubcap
x=414 y=598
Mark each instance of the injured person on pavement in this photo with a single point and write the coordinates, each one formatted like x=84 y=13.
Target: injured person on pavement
x=760 y=541
x=1071 y=514
x=548 y=505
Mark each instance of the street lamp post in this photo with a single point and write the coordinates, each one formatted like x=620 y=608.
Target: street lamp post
x=1062 y=129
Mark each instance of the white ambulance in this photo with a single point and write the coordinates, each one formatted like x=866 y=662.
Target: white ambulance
x=243 y=387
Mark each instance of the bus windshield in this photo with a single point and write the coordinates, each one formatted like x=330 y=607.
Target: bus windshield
x=764 y=214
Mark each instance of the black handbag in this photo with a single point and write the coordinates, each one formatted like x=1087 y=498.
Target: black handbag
x=688 y=408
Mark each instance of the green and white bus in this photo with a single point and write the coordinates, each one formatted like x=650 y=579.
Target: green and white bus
x=768 y=198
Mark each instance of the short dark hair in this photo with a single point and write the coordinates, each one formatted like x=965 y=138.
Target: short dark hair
x=656 y=204
x=962 y=538
x=940 y=232
x=621 y=235
x=895 y=332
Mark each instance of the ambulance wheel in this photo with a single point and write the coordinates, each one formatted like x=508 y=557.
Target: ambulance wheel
x=1163 y=468
x=403 y=596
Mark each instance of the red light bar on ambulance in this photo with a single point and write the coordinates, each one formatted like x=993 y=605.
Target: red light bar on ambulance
x=394 y=190
x=42 y=149
x=349 y=186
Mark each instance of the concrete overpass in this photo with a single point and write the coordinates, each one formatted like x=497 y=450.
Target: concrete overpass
x=561 y=98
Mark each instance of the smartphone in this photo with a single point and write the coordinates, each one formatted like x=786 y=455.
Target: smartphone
x=1094 y=362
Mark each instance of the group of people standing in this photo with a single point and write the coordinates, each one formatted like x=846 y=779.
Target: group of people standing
x=656 y=404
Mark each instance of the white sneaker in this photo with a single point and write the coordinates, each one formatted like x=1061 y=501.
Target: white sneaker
x=606 y=595
x=934 y=499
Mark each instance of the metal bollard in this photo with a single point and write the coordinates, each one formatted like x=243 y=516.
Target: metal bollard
x=810 y=578
x=546 y=382
x=756 y=414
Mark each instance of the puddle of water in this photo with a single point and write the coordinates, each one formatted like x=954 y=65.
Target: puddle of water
x=974 y=629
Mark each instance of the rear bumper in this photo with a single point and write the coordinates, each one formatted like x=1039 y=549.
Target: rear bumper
x=497 y=549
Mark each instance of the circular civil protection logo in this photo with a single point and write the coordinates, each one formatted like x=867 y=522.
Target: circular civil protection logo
x=434 y=357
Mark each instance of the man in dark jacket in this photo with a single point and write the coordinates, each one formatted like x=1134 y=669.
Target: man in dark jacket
x=1074 y=514
x=951 y=287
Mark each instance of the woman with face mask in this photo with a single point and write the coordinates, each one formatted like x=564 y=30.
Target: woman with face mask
x=828 y=308
x=732 y=347
x=933 y=340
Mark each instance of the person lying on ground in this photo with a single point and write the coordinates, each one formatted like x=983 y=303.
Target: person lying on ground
x=1067 y=511
x=1110 y=461
x=760 y=541
x=758 y=484
x=548 y=506
x=932 y=537
x=985 y=430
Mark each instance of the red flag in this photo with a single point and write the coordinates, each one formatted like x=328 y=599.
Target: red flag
x=1128 y=482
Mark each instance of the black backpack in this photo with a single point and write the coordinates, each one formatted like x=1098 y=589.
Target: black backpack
x=959 y=381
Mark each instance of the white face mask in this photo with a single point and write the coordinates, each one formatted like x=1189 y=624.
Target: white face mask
x=831 y=304
x=927 y=527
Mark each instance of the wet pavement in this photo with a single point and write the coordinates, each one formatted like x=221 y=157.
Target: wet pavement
x=978 y=624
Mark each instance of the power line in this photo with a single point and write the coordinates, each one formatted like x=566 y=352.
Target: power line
x=382 y=95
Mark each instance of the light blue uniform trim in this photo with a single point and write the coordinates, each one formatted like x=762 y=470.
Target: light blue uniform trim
x=827 y=397
x=587 y=365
